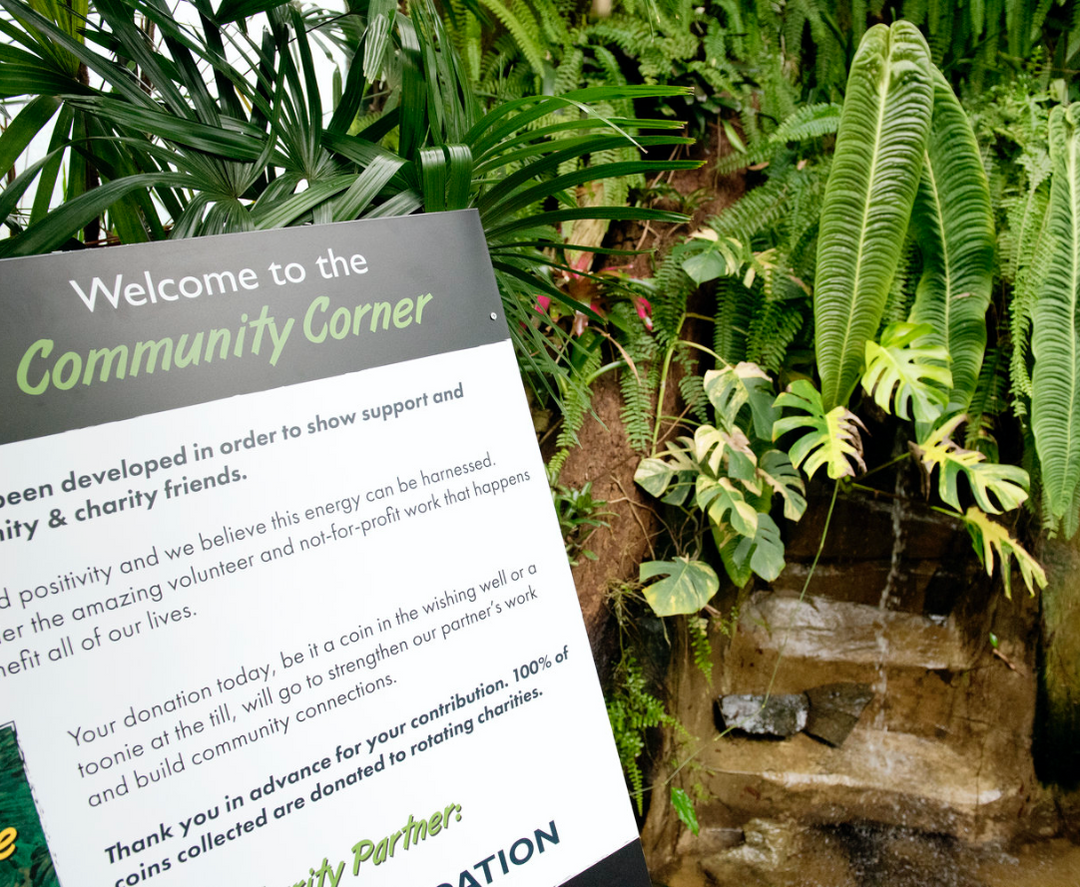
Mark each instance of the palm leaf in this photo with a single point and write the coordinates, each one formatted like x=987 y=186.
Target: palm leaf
x=954 y=229
x=868 y=200
x=1055 y=340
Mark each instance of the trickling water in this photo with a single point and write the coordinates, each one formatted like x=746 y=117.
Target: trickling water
x=890 y=593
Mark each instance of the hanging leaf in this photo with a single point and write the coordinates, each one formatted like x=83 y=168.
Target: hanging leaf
x=906 y=368
x=1008 y=483
x=988 y=537
x=868 y=199
x=832 y=439
x=954 y=228
x=1055 y=339
x=688 y=587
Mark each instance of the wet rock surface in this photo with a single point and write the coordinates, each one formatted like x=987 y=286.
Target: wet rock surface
x=779 y=716
x=921 y=769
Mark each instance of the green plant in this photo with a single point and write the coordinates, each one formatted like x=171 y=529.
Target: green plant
x=920 y=136
x=580 y=515
x=730 y=471
x=188 y=142
x=632 y=710
x=1055 y=338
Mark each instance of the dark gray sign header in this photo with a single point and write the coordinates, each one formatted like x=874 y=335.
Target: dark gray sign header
x=101 y=335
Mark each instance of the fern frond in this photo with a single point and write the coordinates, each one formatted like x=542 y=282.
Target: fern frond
x=735 y=308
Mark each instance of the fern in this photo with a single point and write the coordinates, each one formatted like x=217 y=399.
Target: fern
x=577 y=401
x=807 y=123
x=734 y=313
x=773 y=328
x=632 y=710
x=638 y=384
x=697 y=627
x=989 y=401
x=673 y=287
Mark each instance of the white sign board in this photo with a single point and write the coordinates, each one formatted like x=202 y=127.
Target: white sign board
x=282 y=598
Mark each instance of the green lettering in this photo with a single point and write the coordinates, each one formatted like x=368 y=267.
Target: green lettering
x=320 y=304
x=44 y=347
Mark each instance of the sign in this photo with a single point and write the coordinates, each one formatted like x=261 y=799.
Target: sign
x=282 y=602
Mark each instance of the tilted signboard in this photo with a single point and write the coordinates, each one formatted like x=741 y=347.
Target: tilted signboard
x=282 y=599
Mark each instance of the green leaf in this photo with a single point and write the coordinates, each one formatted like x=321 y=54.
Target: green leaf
x=653 y=476
x=1008 y=483
x=67 y=220
x=1055 y=339
x=868 y=199
x=954 y=228
x=725 y=504
x=714 y=446
x=21 y=131
x=719 y=258
x=832 y=439
x=776 y=468
x=762 y=553
x=684 y=809
x=689 y=585
x=732 y=387
x=989 y=537
x=243 y=142
x=232 y=10
x=906 y=368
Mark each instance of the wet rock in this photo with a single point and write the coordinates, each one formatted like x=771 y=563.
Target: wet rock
x=783 y=715
x=835 y=710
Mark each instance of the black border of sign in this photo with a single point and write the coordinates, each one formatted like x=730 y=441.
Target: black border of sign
x=623 y=868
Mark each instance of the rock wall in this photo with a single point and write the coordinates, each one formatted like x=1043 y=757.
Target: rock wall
x=939 y=760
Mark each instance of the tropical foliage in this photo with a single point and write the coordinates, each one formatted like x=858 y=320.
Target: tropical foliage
x=202 y=129
x=906 y=255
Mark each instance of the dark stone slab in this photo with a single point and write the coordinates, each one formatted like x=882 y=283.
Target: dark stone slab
x=835 y=710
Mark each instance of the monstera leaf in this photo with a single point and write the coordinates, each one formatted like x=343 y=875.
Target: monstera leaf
x=712 y=447
x=776 y=468
x=988 y=537
x=731 y=388
x=832 y=439
x=688 y=587
x=670 y=475
x=908 y=369
x=875 y=173
x=762 y=553
x=1008 y=483
x=726 y=504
